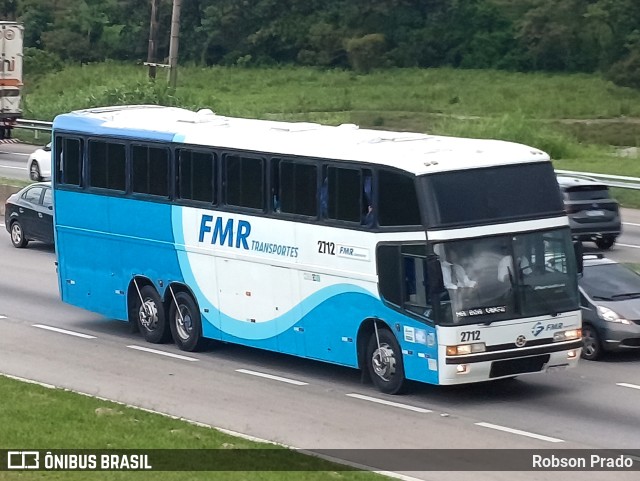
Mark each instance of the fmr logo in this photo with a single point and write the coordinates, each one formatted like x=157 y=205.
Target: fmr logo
x=521 y=341
x=537 y=329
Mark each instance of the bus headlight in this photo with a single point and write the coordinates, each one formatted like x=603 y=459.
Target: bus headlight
x=567 y=335
x=462 y=349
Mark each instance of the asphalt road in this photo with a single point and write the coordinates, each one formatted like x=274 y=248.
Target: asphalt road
x=13 y=160
x=309 y=404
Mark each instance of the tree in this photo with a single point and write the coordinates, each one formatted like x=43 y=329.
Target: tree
x=554 y=36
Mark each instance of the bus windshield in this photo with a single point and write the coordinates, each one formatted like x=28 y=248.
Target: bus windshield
x=504 y=277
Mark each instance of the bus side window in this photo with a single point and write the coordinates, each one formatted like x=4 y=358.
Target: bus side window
x=196 y=176
x=324 y=198
x=397 y=200
x=344 y=199
x=243 y=180
x=275 y=185
x=368 y=218
x=107 y=165
x=70 y=164
x=296 y=188
x=150 y=170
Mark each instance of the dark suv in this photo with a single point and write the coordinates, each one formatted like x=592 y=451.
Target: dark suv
x=593 y=214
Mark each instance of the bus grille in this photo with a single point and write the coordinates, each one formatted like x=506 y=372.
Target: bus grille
x=510 y=367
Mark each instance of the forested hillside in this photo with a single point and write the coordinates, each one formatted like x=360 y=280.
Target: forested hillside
x=524 y=35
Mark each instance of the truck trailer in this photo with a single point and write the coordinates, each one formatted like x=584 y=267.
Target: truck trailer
x=11 y=37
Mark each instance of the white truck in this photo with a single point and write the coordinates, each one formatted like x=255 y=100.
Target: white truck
x=11 y=35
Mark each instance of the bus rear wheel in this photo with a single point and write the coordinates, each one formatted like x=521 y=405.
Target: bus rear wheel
x=185 y=322
x=384 y=362
x=151 y=318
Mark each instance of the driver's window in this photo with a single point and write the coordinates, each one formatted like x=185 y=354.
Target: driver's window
x=415 y=283
x=402 y=277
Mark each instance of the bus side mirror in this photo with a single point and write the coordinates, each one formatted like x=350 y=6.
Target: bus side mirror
x=579 y=252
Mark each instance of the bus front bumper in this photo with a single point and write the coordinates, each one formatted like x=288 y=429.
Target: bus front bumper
x=505 y=364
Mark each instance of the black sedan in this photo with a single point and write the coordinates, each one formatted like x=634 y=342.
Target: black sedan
x=28 y=215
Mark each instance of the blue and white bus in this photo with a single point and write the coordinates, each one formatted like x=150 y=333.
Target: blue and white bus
x=326 y=242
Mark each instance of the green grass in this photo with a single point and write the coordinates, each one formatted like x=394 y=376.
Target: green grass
x=290 y=90
x=35 y=417
x=14 y=182
x=541 y=109
x=576 y=118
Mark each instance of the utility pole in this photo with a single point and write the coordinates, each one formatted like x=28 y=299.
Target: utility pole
x=173 y=44
x=152 y=52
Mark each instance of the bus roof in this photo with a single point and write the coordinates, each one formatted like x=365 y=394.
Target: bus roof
x=414 y=152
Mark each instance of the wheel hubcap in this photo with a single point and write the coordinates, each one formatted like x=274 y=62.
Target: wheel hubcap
x=148 y=314
x=384 y=362
x=589 y=344
x=16 y=234
x=184 y=323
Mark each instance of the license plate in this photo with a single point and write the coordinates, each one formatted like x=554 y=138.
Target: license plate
x=595 y=213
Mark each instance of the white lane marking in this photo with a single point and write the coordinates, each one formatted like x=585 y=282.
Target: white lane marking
x=389 y=403
x=631 y=223
x=163 y=353
x=29 y=381
x=2 y=225
x=12 y=167
x=626 y=384
x=64 y=331
x=3 y=317
x=16 y=153
x=521 y=433
x=271 y=376
x=627 y=245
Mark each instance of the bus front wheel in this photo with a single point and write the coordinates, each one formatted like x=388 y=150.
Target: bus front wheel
x=384 y=362
x=185 y=322
x=151 y=318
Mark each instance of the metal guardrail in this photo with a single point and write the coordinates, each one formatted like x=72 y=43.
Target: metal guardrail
x=620 y=181
x=34 y=125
